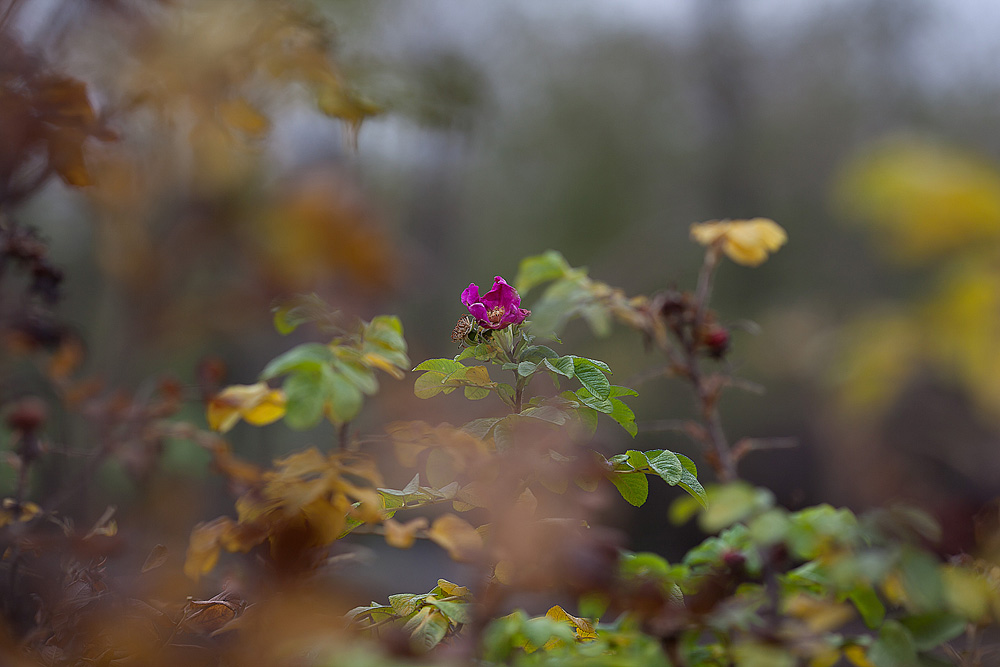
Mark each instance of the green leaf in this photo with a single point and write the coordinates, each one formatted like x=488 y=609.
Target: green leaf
x=456 y=612
x=561 y=365
x=597 y=363
x=546 y=413
x=526 y=368
x=307 y=357
x=592 y=378
x=729 y=504
x=869 y=606
x=934 y=629
x=388 y=330
x=537 y=353
x=480 y=428
x=561 y=300
x=405 y=604
x=598 y=318
x=358 y=374
x=481 y=352
x=922 y=579
x=637 y=459
x=689 y=480
x=300 y=310
x=632 y=485
x=477 y=376
x=506 y=393
x=476 y=393
x=445 y=366
x=430 y=384
x=503 y=434
x=539 y=269
x=666 y=464
x=894 y=647
x=623 y=414
x=582 y=395
x=618 y=391
x=588 y=419
x=427 y=628
x=305 y=399
x=343 y=398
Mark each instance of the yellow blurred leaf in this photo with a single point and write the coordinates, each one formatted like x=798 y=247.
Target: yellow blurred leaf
x=403 y=535
x=203 y=547
x=827 y=657
x=818 y=614
x=878 y=355
x=11 y=511
x=257 y=403
x=966 y=593
x=505 y=572
x=858 y=656
x=457 y=537
x=746 y=242
x=243 y=116
x=923 y=198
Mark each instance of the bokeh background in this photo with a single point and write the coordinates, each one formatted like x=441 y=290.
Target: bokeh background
x=228 y=155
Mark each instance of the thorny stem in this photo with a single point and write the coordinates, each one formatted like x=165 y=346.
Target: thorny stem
x=706 y=392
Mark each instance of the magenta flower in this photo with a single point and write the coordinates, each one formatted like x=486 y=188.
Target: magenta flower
x=498 y=308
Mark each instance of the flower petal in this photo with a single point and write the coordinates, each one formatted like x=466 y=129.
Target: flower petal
x=502 y=294
x=470 y=294
x=478 y=311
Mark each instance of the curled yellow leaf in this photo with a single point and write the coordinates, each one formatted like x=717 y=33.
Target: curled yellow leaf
x=258 y=404
x=746 y=242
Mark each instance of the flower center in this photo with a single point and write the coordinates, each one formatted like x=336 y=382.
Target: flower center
x=495 y=314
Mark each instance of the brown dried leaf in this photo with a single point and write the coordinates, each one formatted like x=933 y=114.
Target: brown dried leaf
x=156 y=558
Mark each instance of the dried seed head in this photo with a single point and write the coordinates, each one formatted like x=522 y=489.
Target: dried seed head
x=462 y=329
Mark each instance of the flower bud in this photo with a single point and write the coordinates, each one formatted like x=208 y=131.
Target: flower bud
x=27 y=415
x=716 y=339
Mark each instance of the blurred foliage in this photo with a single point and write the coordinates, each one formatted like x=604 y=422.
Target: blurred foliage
x=190 y=147
x=938 y=208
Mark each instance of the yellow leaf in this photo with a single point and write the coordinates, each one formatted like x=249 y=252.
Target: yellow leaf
x=453 y=589
x=402 y=536
x=505 y=572
x=967 y=593
x=378 y=361
x=858 y=656
x=922 y=198
x=457 y=537
x=746 y=242
x=240 y=114
x=819 y=615
x=326 y=520
x=257 y=403
x=584 y=629
x=203 y=548
x=11 y=511
x=827 y=657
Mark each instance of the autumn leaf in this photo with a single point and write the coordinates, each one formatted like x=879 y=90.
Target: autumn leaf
x=583 y=628
x=258 y=404
x=204 y=546
x=457 y=537
x=403 y=535
x=746 y=242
